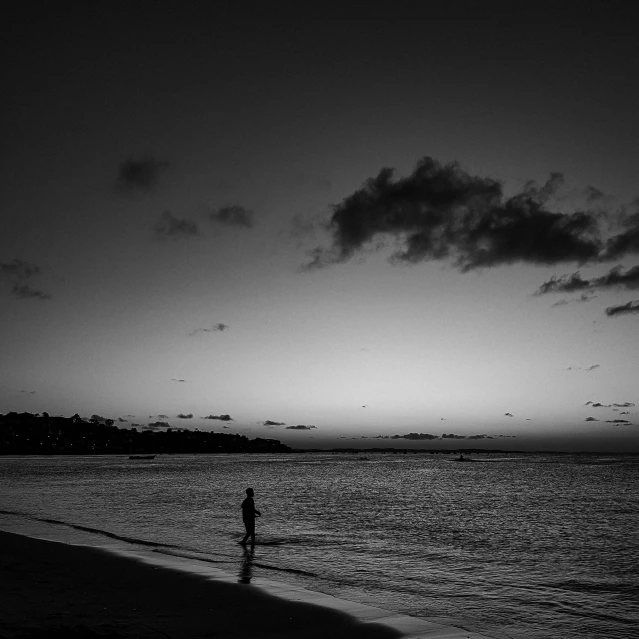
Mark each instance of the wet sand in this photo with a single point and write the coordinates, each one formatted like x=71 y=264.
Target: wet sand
x=49 y=589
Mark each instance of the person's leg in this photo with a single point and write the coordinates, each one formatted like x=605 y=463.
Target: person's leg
x=248 y=532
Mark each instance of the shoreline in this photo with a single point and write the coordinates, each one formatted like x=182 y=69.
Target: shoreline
x=51 y=587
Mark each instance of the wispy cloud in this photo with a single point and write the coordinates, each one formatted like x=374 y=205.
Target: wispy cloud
x=615 y=278
x=301 y=427
x=27 y=392
x=270 y=422
x=141 y=175
x=222 y=418
x=481 y=437
x=219 y=327
x=415 y=436
x=508 y=415
x=183 y=416
x=169 y=226
x=630 y=307
x=617 y=421
x=174 y=379
x=591 y=419
x=122 y=420
x=234 y=215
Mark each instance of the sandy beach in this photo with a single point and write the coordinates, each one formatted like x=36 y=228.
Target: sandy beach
x=51 y=590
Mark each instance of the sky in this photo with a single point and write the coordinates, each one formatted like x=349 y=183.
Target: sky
x=333 y=225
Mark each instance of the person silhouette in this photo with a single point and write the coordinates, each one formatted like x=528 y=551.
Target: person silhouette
x=249 y=513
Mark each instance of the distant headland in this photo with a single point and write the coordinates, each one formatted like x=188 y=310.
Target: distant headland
x=41 y=434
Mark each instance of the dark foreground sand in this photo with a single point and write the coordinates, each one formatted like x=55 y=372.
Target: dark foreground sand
x=49 y=589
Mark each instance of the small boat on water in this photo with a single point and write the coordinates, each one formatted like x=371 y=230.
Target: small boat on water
x=141 y=456
x=461 y=458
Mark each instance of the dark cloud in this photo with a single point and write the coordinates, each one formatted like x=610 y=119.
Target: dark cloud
x=98 y=418
x=213 y=329
x=594 y=367
x=162 y=416
x=170 y=226
x=509 y=436
x=453 y=436
x=625 y=412
x=597 y=405
x=27 y=392
x=617 y=421
x=624 y=405
x=508 y=415
x=627 y=241
x=615 y=278
x=222 y=418
x=122 y=420
x=24 y=291
x=234 y=215
x=173 y=379
x=18 y=269
x=158 y=425
x=301 y=427
x=183 y=416
x=270 y=422
x=142 y=174
x=591 y=419
x=630 y=307
x=480 y=437
x=415 y=436
x=442 y=212
x=18 y=273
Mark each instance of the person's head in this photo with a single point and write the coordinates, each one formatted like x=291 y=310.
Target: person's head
x=249 y=492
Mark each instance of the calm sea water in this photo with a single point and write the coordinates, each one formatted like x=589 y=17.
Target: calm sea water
x=518 y=547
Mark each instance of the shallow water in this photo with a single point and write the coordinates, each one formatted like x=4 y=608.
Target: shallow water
x=538 y=547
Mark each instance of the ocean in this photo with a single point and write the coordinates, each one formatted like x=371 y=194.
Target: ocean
x=511 y=546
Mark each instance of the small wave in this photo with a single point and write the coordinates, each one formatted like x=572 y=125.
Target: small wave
x=94 y=531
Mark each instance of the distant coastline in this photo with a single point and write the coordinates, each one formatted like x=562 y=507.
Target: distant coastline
x=41 y=434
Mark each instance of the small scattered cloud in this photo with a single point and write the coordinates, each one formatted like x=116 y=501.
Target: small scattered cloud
x=508 y=436
x=98 y=418
x=169 y=226
x=18 y=274
x=594 y=367
x=481 y=437
x=215 y=328
x=508 y=415
x=162 y=416
x=591 y=419
x=122 y=420
x=301 y=427
x=622 y=309
x=24 y=291
x=234 y=215
x=452 y=436
x=615 y=278
x=32 y=392
x=183 y=416
x=597 y=405
x=270 y=422
x=159 y=424
x=415 y=436
x=588 y=369
x=140 y=175
x=617 y=421
x=624 y=405
x=173 y=379
x=222 y=418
